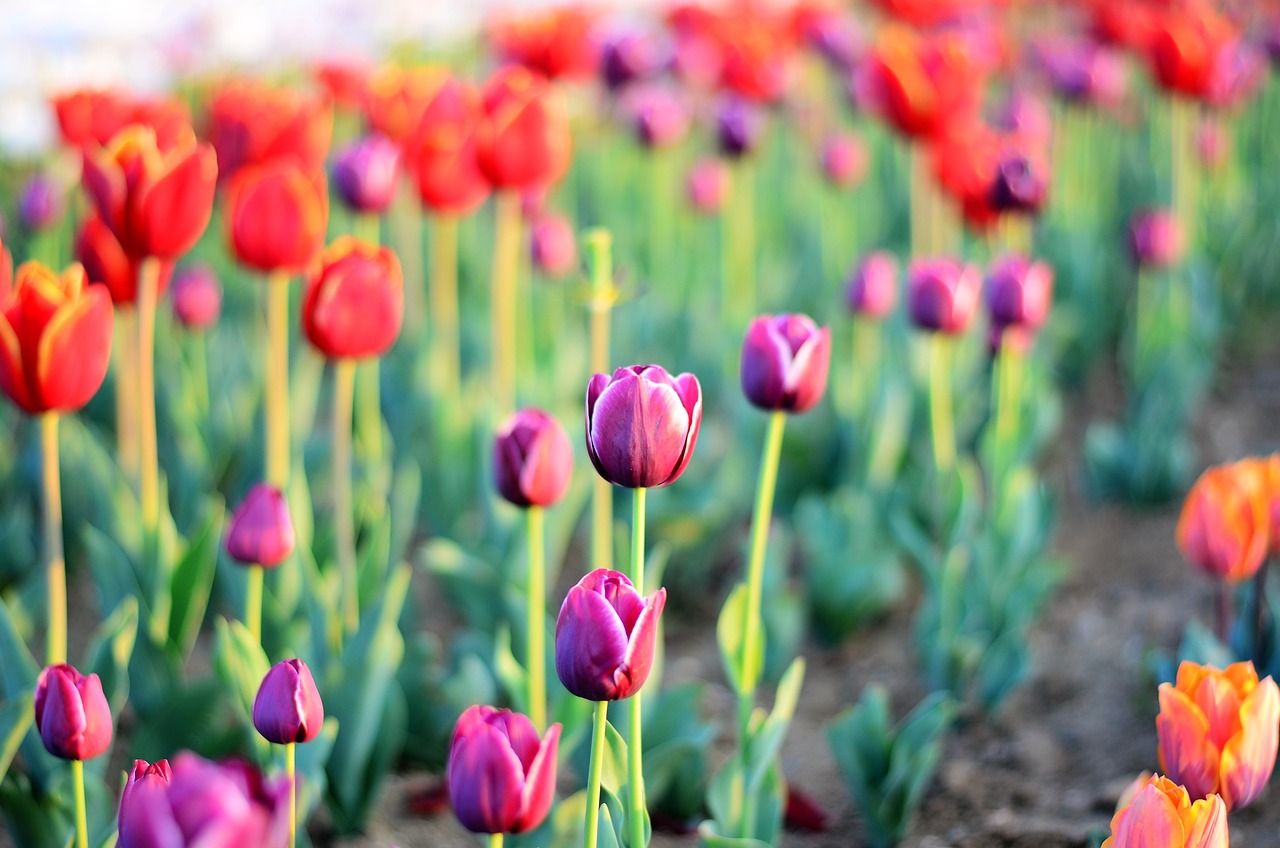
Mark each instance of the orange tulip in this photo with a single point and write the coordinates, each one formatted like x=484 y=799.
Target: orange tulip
x=557 y=43
x=1224 y=528
x=1218 y=731
x=1185 y=44
x=924 y=84
x=1162 y=815
x=441 y=153
x=276 y=215
x=523 y=142
x=55 y=338
x=156 y=202
x=395 y=98
x=252 y=124
x=1266 y=471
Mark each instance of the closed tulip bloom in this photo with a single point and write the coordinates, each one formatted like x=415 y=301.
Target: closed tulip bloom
x=89 y=118
x=41 y=203
x=501 y=776
x=157 y=201
x=606 y=635
x=707 y=186
x=251 y=123
x=105 y=262
x=873 y=288
x=552 y=245
x=1155 y=239
x=354 y=302
x=523 y=140
x=1218 y=731
x=276 y=216
x=1185 y=46
x=261 y=530
x=287 y=708
x=942 y=294
x=365 y=173
x=785 y=360
x=1020 y=184
x=739 y=127
x=642 y=425
x=843 y=160
x=72 y=714
x=1019 y=292
x=1224 y=528
x=628 y=57
x=1266 y=475
x=1162 y=815
x=441 y=152
x=151 y=775
x=208 y=805
x=197 y=297
x=532 y=459
x=557 y=43
x=55 y=338
x=923 y=85
x=659 y=116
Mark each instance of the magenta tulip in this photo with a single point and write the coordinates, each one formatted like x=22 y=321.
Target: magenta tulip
x=155 y=775
x=552 y=245
x=1019 y=185
x=197 y=297
x=1019 y=292
x=365 y=174
x=287 y=708
x=659 y=116
x=785 y=360
x=606 y=636
x=72 y=714
x=261 y=530
x=642 y=425
x=502 y=777
x=707 y=186
x=739 y=127
x=532 y=459
x=1155 y=239
x=844 y=160
x=942 y=294
x=873 y=288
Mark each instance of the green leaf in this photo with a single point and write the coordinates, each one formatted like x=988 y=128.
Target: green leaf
x=192 y=582
x=730 y=628
x=240 y=664
x=16 y=718
x=110 y=651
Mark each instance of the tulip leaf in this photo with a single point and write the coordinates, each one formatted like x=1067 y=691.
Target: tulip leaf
x=110 y=651
x=18 y=669
x=192 y=582
x=16 y=718
x=240 y=663
x=511 y=674
x=608 y=836
x=729 y=633
x=613 y=767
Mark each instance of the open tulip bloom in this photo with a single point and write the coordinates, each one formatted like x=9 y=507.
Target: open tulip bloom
x=1162 y=814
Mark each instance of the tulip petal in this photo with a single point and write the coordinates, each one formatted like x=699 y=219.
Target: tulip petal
x=13 y=380
x=1219 y=701
x=1151 y=821
x=590 y=645
x=520 y=734
x=1210 y=828
x=150 y=823
x=62 y=717
x=766 y=364
x=690 y=392
x=539 y=784
x=98 y=723
x=172 y=212
x=1186 y=754
x=485 y=781
x=807 y=379
x=75 y=351
x=1249 y=757
x=641 y=646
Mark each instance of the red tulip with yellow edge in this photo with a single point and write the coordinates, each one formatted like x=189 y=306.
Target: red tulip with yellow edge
x=1224 y=528
x=354 y=302
x=1185 y=46
x=276 y=215
x=1266 y=471
x=1218 y=731
x=923 y=84
x=1162 y=815
x=396 y=97
x=106 y=262
x=90 y=117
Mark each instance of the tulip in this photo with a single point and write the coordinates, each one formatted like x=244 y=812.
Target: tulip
x=344 y=79
x=785 y=360
x=90 y=118
x=255 y=124
x=523 y=140
x=1019 y=292
x=144 y=776
x=365 y=174
x=1155 y=239
x=106 y=262
x=629 y=57
x=1224 y=527
x=441 y=152
x=642 y=425
x=501 y=776
x=1218 y=731
x=354 y=301
x=1185 y=46
x=1019 y=185
x=606 y=636
x=532 y=459
x=1162 y=814
x=40 y=204
x=557 y=43
x=923 y=85
x=844 y=161
x=276 y=216
x=261 y=529
x=72 y=714
x=942 y=294
x=395 y=98
x=739 y=127
x=659 y=116
x=197 y=297
x=707 y=186
x=287 y=708
x=966 y=162
x=1266 y=475
x=552 y=245
x=873 y=288
x=208 y=805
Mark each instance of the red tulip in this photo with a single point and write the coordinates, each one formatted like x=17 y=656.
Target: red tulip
x=287 y=708
x=532 y=459
x=1225 y=525
x=276 y=215
x=354 y=302
x=105 y=262
x=261 y=530
x=1185 y=46
x=557 y=43
x=72 y=714
x=441 y=152
x=925 y=12
x=252 y=124
x=923 y=85
x=754 y=57
x=395 y=98
x=55 y=337
x=344 y=80
x=90 y=118
x=523 y=140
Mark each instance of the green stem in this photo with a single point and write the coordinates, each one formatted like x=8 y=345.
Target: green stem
x=1008 y=382
x=406 y=234
x=495 y=840
x=635 y=745
x=661 y=211
x=536 y=601
x=344 y=520
x=940 y=415
x=276 y=404
x=443 y=293
x=369 y=397
x=593 y=775
x=82 y=815
x=290 y=770
x=148 y=293
x=505 y=281
x=866 y=365
x=200 y=368
x=599 y=244
x=742 y=242
x=765 y=486
x=56 y=638
x=126 y=371
x=253 y=603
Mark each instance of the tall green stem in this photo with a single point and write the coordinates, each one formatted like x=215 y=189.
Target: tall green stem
x=1009 y=383
x=536 y=609
x=866 y=373
x=599 y=245
x=368 y=409
x=82 y=815
x=662 y=213
x=56 y=638
x=443 y=288
x=148 y=293
x=635 y=746
x=940 y=414
x=253 y=602
x=291 y=771
x=343 y=519
x=505 y=281
x=592 y=824
x=127 y=390
x=406 y=234
x=276 y=404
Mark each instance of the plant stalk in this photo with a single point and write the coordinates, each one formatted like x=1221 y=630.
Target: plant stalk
x=56 y=639
x=505 y=282
x=127 y=391
x=253 y=602
x=592 y=824
x=291 y=771
x=443 y=290
x=599 y=243
x=343 y=518
x=148 y=294
x=536 y=609
x=82 y=814
x=635 y=745
x=276 y=403
x=941 y=422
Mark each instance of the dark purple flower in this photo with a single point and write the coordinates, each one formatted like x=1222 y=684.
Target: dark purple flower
x=552 y=245
x=157 y=775
x=1019 y=185
x=41 y=203
x=1019 y=292
x=72 y=714
x=659 y=116
x=739 y=127
x=261 y=531
x=1155 y=239
x=642 y=425
x=844 y=160
x=501 y=776
x=785 y=360
x=606 y=635
x=628 y=57
x=532 y=459
x=288 y=708
x=197 y=297
x=873 y=288
x=707 y=186
x=365 y=173
x=942 y=294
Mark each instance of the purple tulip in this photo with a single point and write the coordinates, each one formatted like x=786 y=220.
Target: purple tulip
x=844 y=160
x=208 y=805
x=1155 y=239
x=837 y=39
x=707 y=186
x=197 y=297
x=532 y=459
x=1019 y=292
x=659 y=116
x=1019 y=186
x=1025 y=116
x=41 y=203
x=873 y=288
x=606 y=635
x=552 y=245
x=942 y=294
x=261 y=531
x=785 y=360
x=501 y=776
x=739 y=127
x=628 y=57
x=72 y=714
x=288 y=708
x=642 y=425
x=156 y=775
x=365 y=173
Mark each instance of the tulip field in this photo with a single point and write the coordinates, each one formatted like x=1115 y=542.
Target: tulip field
x=725 y=424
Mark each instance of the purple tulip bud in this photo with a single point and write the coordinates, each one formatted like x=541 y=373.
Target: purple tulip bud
x=41 y=203
x=197 y=297
x=642 y=425
x=288 y=707
x=261 y=531
x=156 y=775
x=207 y=805
x=739 y=127
x=606 y=635
x=365 y=173
x=1018 y=186
x=532 y=459
x=873 y=288
x=707 y=186
x=72 y=713
x=552 y=245
x=630 y=56
x=844 y=160
x=1019 y=292
x=785 y=360
x=501 y=776
x=1155 y=239
x=942 y=294
x=659 y=116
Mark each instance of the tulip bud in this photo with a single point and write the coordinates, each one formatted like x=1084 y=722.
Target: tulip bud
x=739 y=127
x=105 y=262
x=1018 y=186
x=942 y=294
x=642 y=425
x=532 y=459
x=523 y=139
x=197 y=297
x=606 y=635
x=844 y=161
x=147 y=775
x=873 y=288
x=785 y=359
x=353 y=305
x=1224 y=527
x=628 y=57
x=1155 y=239
x=441 y=152
x=277 y=215
x=1218 y=731
x=287 y=708
x=501 y=776
x=72 y=714
x=41 y=204
x=1161 y=813
x=261 y=531
x=1266 y=475
x=365 y=173
x=659 y=116
x=707 y=186
x=552 y=245
x=1019 y=292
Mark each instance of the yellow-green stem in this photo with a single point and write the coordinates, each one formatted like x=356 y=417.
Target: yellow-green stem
x=369 y=396
x=1182 y=119
x=443 y=287
x=277 y=382
x=940 y=416
x=922 y=219
x=1008 y=382
x=200 y=367
x=536 y=609
x=661 y=210
x=82 y=815
x=253 y=602
x=148 y=291
x=592 y=823
x=753 y=626
x=343 y=518
x=127 y=391
x=599 y=245
x=635 y=745
x=506 y=269
x=291 y=771
x=56 y=638
x=406 y=233
x=865 y=373
x=742 y=242
x=495 y=840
